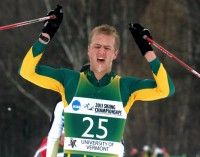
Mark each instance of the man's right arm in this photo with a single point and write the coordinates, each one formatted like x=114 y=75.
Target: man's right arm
x=43 y=76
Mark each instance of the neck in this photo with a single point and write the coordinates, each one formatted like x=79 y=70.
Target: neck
x=99 y=75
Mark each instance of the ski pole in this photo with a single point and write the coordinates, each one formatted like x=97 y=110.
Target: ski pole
x=24 y=23
x=171 y=56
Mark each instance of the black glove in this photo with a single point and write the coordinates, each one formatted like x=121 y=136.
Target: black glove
x=138 y=32
x=51 y=26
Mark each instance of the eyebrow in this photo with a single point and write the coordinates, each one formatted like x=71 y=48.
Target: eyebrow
x=107 y=46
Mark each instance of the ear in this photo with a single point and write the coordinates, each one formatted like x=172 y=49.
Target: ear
x=115 y=54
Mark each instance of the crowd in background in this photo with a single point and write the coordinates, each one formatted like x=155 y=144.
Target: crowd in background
x=148 y=151
x=153 y=151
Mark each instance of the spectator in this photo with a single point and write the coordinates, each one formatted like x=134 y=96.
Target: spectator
x=134 y=152
x=146 y=151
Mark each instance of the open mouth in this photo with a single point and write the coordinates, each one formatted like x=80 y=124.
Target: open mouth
x=100 y=60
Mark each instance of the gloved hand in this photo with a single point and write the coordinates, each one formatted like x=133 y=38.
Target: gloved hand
x=138 y=32
x=51 y=26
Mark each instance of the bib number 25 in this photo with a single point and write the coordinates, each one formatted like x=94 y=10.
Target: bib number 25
x=100 y=127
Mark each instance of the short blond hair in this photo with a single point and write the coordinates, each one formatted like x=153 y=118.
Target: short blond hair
x=107 y=30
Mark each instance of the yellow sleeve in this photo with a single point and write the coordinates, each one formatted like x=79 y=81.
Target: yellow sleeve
x=29 y=72
x=149 y=90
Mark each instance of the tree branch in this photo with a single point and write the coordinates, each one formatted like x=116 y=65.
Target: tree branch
x=23 y=91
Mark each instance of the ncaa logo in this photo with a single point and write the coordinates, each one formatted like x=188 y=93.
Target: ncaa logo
x=76 y=105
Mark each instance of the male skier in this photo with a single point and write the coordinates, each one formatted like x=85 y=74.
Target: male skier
x=96 y=101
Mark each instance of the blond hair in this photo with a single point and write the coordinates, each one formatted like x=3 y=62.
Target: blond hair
x=107 y=30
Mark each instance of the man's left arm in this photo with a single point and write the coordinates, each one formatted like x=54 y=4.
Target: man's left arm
x=163 y=84
x=148 y=90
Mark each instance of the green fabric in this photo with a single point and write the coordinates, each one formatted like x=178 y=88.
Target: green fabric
x=89 y=126
x=106 y=89
x=171 y=87
x=87 y=90
x=38 y=48
x=60 y=149
x=128 y=85
x=99 y=83
x=68 y=78
x=155 y=64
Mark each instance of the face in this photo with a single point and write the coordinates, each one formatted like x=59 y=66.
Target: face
x=101 y=53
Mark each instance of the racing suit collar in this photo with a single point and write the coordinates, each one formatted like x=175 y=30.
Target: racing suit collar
x=105 y=80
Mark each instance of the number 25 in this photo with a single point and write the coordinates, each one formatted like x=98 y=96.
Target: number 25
x=100 y=127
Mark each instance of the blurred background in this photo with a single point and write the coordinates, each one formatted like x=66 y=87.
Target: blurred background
x=25 y=109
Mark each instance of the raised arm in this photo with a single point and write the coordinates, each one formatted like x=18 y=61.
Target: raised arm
x=148 y=89
x=30 y=70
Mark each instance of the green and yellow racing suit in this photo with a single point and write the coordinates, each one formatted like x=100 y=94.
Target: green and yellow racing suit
x=95 y=111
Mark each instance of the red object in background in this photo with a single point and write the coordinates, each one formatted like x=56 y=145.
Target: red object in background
x=41 y=151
